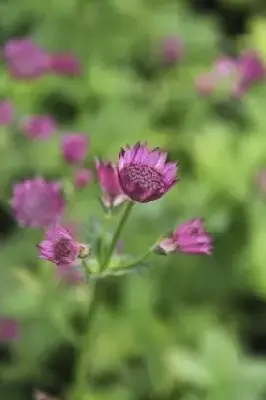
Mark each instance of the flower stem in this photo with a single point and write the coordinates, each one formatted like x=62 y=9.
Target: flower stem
x=81 y=368
x=117 y=234
x=134 y=263
x=102 y=249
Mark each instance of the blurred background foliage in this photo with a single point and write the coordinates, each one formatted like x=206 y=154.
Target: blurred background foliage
x=192 y=328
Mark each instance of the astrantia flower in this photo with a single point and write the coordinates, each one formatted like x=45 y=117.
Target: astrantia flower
x=9 y=329
x=221 y=78
x=75 y=147
x=38 y=395
x=144 y=174
x=59 y=246
x=6 y=113
x=83 y=177
x=37 y=203
x=189 y=237
x=65 y=64
x=251 y=69
x=26 y=60
x=108 y=179
x=172 y=49
x=38 y=127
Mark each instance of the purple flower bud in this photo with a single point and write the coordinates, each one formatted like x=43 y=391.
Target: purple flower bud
x=6 y=113
x=40 y=127
x=9 y=329
x=144 y=174
x=65 y=64
x=83 y=177
x=75 y=148
x=189 y=237
x=113 y=195
x=251 y=69
x=59 y=247
x=37 y=203
x=26 y=60
x=172 y=49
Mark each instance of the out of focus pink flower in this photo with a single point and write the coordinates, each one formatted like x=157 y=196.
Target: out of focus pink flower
x=251 y=69
x=6 y=113
x=9 y=329
x=59 y=247
x=224 y=67
x=75 y=147
x=234 y=76
x=221 y=77
x=172 y=49
x=38 y=395
x=72 y=274
x=83 y=177
x=190 y=237
x=260 y=180
x=144 y=174
x=40 y=127
x=204 y=84
x=65 y=64
x=25 y=59
x=37 y=203
x=113 y=195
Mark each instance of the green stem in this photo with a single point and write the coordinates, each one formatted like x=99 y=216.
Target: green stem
x=134 y=263
x=117 y=234
x=81 y=369
x=103 y=238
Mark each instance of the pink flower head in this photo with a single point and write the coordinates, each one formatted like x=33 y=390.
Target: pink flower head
x=59 y=246
x=83 y=177
x=75 y=147
x=39 y=126
x=65 y=64
x=113 y=195
x=37 y=203
x=172 y=49
x=9 y=329
x=251 y=69
x=26 y=60
x=38 y=395
x=144 y=174
x=6 y=113
x=189 y=237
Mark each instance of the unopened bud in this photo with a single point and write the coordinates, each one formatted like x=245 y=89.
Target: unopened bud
x=84 y=251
